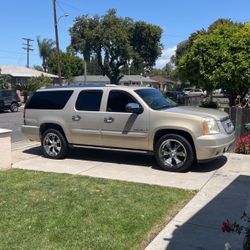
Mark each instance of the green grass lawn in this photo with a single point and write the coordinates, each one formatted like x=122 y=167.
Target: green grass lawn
x=58 y=211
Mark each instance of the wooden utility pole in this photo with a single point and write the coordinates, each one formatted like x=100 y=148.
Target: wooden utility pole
x=28 y=48
x=59 y=73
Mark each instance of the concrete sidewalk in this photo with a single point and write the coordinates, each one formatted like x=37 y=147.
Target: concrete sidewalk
x=223 y=186
x=197 y=226
x=115 y=165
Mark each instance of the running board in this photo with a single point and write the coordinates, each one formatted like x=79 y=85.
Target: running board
x=112 y=149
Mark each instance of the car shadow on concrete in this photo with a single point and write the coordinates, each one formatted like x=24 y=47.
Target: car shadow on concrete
x=203 y=229
x=128 y=158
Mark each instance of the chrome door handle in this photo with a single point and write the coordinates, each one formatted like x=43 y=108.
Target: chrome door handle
x=109 y=120
x=76 y=118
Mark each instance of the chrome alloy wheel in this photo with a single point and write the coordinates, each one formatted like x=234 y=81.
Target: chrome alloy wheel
x=52 y=144
x=172 y=153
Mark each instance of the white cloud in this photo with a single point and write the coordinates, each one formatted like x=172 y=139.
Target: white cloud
x=165 y=57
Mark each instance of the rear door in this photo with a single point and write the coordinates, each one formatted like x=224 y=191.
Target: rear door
x=85 y=118
x=121 y=129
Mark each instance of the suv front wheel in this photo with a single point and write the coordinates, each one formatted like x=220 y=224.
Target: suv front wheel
x=174 y=153
x=54 y=144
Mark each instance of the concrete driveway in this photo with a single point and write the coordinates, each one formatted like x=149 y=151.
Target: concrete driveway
x=115 y=165
x=13 y=121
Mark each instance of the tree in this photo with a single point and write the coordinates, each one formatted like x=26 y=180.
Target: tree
x=82 y=34
x=46 y=48
x=185 y=46
x=219 y=58
x=116 y=43
x=5 y=81
x=93 y=67
x=220 y=22
x=33 y=84
x=70 y=65
x=170 y=70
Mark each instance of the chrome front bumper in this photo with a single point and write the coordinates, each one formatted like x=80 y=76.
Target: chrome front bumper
x=209 y=147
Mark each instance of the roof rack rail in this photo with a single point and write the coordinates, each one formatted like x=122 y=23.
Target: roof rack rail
x=80 y=85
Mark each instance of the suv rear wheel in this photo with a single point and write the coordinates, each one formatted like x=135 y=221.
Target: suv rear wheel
x=174 y=153
x=54 y=144
x=14 y=107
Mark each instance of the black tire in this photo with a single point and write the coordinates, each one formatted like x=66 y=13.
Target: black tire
x=14 y=107
x=56 y=150
x=174 y=153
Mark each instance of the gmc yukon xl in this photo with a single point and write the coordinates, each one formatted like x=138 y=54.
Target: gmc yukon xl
x=125 y=118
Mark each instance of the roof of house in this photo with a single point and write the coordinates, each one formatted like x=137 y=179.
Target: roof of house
x=162 y=80
x=19 y=71
x=91 y=79
x=105 y=79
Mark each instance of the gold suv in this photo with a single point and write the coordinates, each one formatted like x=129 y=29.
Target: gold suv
x=126 y=118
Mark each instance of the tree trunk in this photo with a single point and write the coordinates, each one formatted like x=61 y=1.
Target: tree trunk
x=232 y=97
x=25 y=96
x=210 y=95
x=86 y=56
x=114 y=79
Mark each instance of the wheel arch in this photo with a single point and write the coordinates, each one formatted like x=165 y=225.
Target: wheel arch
x=182 y=133
x=46 y=126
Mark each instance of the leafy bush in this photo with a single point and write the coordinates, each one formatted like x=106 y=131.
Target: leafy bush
x=209 y=104
x=243 y=145
x=32 y=84
x=4 y=81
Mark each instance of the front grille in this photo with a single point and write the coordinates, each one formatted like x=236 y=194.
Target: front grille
x=227 y=125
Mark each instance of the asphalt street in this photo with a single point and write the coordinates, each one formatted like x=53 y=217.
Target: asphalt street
x=12 y=121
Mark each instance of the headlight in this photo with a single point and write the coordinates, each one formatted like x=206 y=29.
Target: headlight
x=210 y=126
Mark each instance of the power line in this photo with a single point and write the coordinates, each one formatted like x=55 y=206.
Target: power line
x=16 y=52
x=60 y=7
x=28 y=48
x=70 y=5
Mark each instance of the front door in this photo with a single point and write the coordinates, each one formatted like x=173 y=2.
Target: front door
x=121 y=129
x=86 y=118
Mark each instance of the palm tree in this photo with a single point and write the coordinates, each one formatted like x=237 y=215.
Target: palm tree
x=46 y=48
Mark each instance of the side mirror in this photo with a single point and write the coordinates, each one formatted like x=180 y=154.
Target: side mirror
x=134 y=108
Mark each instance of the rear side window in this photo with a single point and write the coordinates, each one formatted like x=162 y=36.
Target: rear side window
x=49 y=99
x=89 y=101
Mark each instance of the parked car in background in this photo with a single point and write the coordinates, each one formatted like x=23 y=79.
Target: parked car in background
x=174 y=95
x=125 y=118
x=1 y=105
x=10 y=100
x=194 y=92
x=185 y=91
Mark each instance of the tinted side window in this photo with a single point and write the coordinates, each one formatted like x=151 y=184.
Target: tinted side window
x=89 y=100
x=118 y=100
x=6 y=94
x=49 y=99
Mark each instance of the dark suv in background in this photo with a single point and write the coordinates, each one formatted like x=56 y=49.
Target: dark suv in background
x=9 y=100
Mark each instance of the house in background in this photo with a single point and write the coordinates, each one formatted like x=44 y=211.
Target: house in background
x=19 y=74
x=127 y=80
x=163 y=83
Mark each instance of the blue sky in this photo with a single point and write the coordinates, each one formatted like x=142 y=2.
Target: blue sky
x=32 y=18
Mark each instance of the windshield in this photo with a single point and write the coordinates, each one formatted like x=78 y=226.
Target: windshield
x=154 y=99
